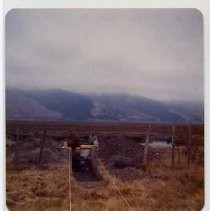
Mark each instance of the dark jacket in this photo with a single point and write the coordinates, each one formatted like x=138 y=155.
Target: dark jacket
x=77 y=161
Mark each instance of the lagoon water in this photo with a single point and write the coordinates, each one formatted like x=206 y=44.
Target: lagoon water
x=158 y=144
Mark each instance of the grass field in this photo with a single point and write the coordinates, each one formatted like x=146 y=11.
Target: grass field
x=46 y=186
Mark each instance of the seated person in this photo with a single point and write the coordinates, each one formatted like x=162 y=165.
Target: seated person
x=78 y=162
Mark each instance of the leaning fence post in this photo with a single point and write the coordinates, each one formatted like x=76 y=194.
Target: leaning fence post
x=146 y=147
x=42 y=146
x=173 y=146
x=17 y=148
x=189 y=146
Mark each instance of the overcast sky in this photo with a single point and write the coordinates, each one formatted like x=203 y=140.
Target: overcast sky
x=156 y=53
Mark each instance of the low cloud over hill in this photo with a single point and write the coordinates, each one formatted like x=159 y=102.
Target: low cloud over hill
x=65 y=105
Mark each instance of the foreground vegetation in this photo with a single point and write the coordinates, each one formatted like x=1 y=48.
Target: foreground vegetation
x=160 y=188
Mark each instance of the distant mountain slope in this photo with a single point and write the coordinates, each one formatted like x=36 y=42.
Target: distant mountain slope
x=124 y=107
x=189 y=110
x=70 y=105
x=19 y=106
x=48 y=104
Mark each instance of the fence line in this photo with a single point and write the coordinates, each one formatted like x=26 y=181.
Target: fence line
x=173 y=145
x=148 y=133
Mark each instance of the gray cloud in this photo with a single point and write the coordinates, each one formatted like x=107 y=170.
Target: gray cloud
x=156 y=53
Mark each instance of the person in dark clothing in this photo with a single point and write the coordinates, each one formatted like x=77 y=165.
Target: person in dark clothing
x=78 y=162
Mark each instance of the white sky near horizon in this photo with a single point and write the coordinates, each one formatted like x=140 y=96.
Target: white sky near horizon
x=157 y=53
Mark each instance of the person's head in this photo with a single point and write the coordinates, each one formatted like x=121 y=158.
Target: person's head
x=77 y=149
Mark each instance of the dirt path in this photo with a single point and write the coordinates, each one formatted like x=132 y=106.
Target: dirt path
x=87 y=180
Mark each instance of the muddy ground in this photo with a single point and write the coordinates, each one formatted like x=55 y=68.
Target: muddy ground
x=110 y=148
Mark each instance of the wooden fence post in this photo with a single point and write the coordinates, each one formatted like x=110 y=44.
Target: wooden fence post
x=146 y=147
x=42 y=146
x=195 y=150
x=173 y=146
x=189 y=146
x=17 y=148
x=179 y=155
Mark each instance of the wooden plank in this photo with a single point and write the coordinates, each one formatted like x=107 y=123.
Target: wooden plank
x=42 y=146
